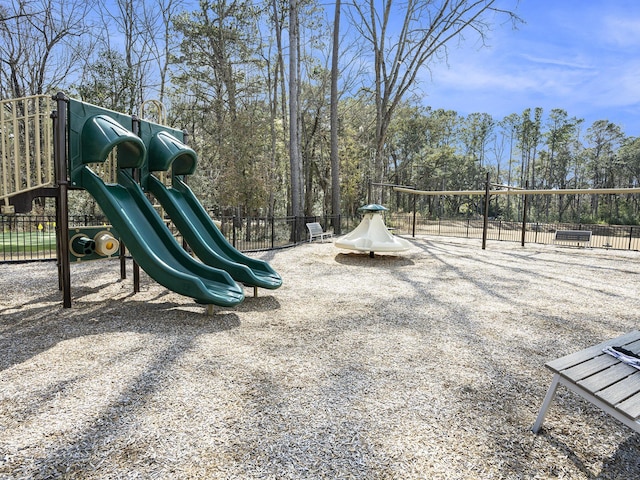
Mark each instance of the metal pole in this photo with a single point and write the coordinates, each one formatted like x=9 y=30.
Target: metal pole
x=60 y=156
x=485 y=224
x=273 y=231
x=233 y=235
x=524 y=215
x=123 y=260
x=413 y=234
x=135 y=128
x=185 y=179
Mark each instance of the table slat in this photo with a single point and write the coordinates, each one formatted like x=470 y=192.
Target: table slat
x=634 y=347
x=631 y=407
x=576 y=358
x=607 y=377
x=590 y=367
x=622 y=390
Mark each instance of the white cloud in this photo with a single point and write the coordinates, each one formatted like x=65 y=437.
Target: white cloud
x=617 y=86
x=621 y=32
x=580 y=56
x=558 y=61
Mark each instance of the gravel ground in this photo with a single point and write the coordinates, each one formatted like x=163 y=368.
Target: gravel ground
x=423 y=365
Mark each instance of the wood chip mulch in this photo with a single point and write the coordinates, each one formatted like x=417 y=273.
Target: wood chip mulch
x=426 y=364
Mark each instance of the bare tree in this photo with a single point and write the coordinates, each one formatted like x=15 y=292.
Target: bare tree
x=42 y=44
x=162 y=43
x=134 y=49
x=128 y=47
x=420 y=37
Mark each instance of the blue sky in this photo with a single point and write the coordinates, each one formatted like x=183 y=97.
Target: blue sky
x=582 y=56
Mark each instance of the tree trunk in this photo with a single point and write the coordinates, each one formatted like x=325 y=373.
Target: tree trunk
x=335 y=160
x=294 y=138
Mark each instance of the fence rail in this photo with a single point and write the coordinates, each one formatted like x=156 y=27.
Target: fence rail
x=33 y=237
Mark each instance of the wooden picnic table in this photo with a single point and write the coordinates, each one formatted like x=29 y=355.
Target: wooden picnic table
x=601 y=379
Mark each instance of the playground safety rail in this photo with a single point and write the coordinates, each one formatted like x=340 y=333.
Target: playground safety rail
x=26 y=146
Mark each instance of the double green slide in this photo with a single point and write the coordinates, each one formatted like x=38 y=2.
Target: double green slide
x=211 y=278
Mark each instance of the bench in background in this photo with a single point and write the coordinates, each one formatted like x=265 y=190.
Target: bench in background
x=573 y=236
x=315 y=231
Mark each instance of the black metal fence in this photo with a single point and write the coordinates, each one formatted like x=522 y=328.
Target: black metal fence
x=33 y=237
x=619 y=237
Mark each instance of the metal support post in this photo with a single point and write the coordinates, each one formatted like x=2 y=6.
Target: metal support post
x=62 y=200
x=135 y=128
x=413 y=232
x=485 y=224
x=524 y=215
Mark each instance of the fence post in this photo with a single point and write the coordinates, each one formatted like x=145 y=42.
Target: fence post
x=413 y=234
x=273 y=231
x=485 y=222
x=524 y=216
x=630 y=237
x=233 y=231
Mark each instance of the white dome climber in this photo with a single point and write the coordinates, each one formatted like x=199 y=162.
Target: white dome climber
x=372 y=235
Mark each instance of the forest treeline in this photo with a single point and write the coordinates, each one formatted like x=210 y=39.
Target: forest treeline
x=250 y=80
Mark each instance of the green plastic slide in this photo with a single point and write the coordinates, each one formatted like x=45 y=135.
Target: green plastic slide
x=152 y=245
x=207 y=242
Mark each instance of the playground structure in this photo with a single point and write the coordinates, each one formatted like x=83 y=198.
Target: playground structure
x=372 y=235
x=26 y=152
x=85 y=138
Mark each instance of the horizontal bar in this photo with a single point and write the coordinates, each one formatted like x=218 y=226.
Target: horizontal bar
x=566 y=191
